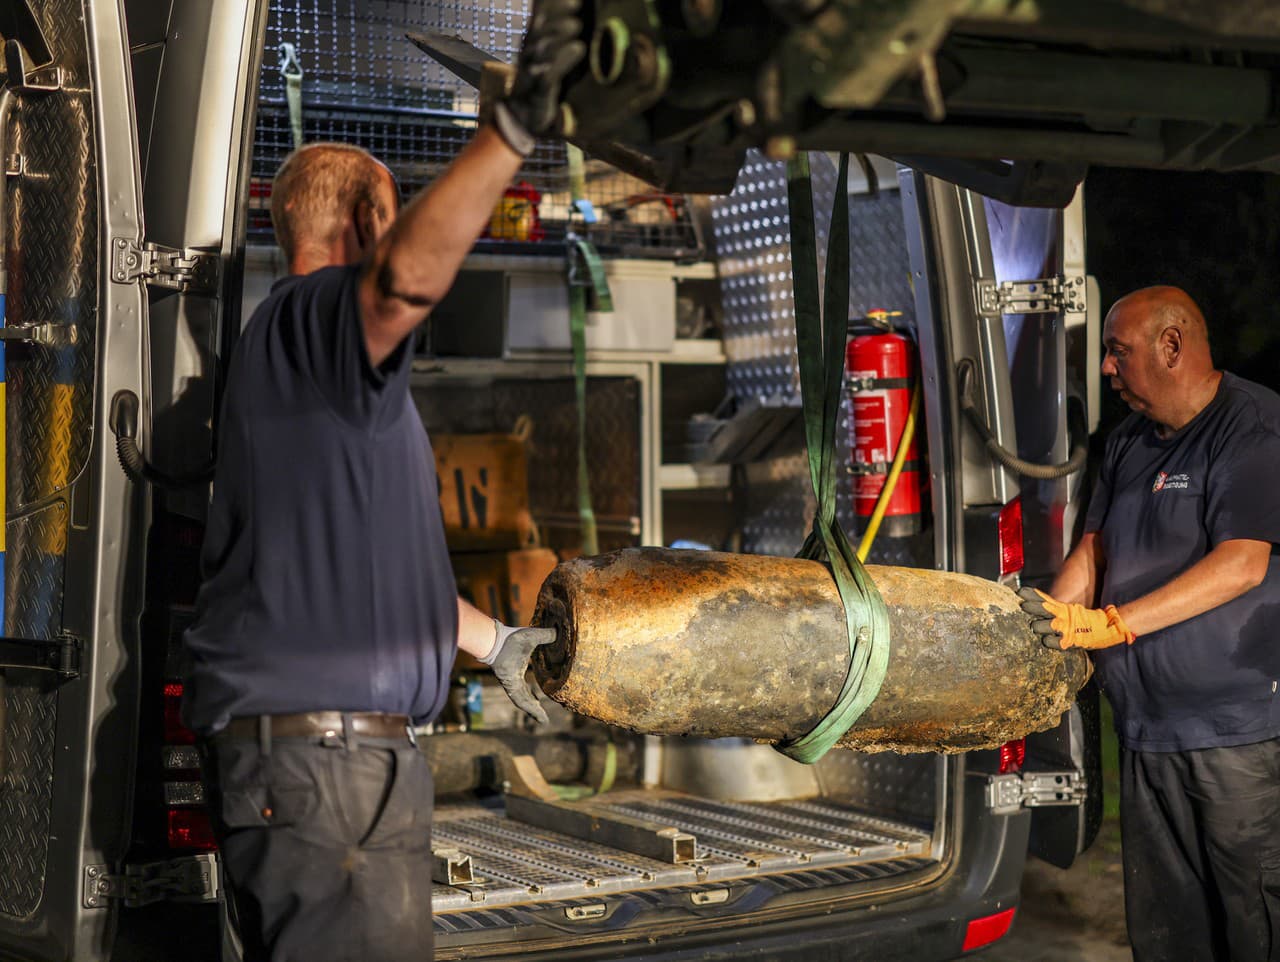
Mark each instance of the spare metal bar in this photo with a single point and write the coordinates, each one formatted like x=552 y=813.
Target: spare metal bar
x=655 y=840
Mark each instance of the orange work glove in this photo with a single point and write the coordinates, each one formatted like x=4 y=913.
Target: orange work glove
x=1062 y=625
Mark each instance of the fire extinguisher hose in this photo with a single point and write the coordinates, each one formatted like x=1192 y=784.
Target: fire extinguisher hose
x=891 y=480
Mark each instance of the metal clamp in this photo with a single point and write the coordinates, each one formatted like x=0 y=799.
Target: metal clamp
x=189 y=271
x=1047 y=295
x=1007 y=794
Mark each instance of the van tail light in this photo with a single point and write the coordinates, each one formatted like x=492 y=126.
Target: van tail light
x=190 y=828
x=187 y=820
x=1012 y=755
x=175 y=733
x=988 y=929
x=1009 y=526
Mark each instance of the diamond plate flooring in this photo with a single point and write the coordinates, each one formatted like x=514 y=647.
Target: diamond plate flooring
x=518 y=863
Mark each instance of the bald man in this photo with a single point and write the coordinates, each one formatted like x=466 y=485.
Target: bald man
x=1175 y=591
x=328 y=619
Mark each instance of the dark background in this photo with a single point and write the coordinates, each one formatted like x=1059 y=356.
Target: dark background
x=1217 y=236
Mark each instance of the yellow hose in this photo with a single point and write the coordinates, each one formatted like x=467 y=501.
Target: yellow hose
x=891 y=482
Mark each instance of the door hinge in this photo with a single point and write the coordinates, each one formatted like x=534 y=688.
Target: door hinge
x=192 y=878
x=1048 y=295
x=48 y=334
x=60 y=655
x=1007 y=794
x=188 y=271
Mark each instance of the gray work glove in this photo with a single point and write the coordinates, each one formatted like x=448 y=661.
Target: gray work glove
x=509 y=660
x=552 y=47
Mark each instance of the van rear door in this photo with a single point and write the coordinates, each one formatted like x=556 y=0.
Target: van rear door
x=1005 y=287
x=71 y=228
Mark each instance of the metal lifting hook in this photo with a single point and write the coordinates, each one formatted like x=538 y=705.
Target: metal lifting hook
x=289 y=64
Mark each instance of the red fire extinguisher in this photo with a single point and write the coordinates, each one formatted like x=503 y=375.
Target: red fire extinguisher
x=882 y=371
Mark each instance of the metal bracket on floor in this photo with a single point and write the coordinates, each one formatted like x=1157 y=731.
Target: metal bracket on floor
x=452 y=867
x=664 y=843
x=449 y=866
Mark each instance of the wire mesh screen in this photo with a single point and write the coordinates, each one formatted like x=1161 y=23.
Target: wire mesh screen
x=364 y=83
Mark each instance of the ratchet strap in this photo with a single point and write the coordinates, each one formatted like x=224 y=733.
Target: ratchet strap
x=820 y=340
x=588 y=290
x=291 y=71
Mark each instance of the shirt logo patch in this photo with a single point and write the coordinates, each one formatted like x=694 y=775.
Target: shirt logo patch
x=1165 y=480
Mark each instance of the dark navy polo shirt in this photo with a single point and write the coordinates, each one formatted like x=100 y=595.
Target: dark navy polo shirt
x=1161 y=506
x=327 y=583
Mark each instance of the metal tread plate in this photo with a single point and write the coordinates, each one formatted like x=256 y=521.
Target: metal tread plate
x=516 y=863
x=52 y=236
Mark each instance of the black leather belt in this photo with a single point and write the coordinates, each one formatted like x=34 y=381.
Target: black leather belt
x=323 y=724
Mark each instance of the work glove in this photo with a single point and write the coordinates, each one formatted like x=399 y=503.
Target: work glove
x=552 y=47
x=509 y=660
x=1063 y=625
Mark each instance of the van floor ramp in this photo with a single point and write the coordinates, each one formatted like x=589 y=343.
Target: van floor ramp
x=514 y=861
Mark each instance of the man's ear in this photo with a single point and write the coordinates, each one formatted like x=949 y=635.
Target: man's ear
x=362 y=217
x=1170 y=345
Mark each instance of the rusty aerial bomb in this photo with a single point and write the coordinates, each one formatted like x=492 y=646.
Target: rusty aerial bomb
x=709 y=644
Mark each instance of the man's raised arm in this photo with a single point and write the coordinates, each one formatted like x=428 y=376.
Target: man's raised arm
x=415 y=263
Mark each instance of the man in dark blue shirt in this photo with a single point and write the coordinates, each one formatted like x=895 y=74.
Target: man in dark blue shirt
x=328 y=620
x=1180 y=550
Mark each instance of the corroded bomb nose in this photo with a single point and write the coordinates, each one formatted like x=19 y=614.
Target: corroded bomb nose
x=551 y=663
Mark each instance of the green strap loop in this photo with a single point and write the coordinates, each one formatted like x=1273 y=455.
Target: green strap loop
x=588 y=288
x=820 y=341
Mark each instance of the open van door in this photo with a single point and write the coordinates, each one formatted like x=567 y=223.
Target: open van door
x=1069 y=356
x=1040 y=287
x=1005 y=288
x=71 y=228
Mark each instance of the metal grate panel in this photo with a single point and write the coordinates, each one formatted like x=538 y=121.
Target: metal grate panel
x=613 y=404
x=364 y=83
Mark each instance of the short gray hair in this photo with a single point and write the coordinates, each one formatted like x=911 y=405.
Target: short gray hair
x=315 y=188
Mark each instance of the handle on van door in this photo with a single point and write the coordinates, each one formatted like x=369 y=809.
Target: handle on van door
x=124 y=425
x=966 y=374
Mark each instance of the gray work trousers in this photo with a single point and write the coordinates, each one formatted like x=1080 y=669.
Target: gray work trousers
x=326 y=849
x=1201 y=837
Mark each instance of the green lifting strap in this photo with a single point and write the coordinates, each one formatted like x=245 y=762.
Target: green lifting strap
x=588 y=288
x=820 y=341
